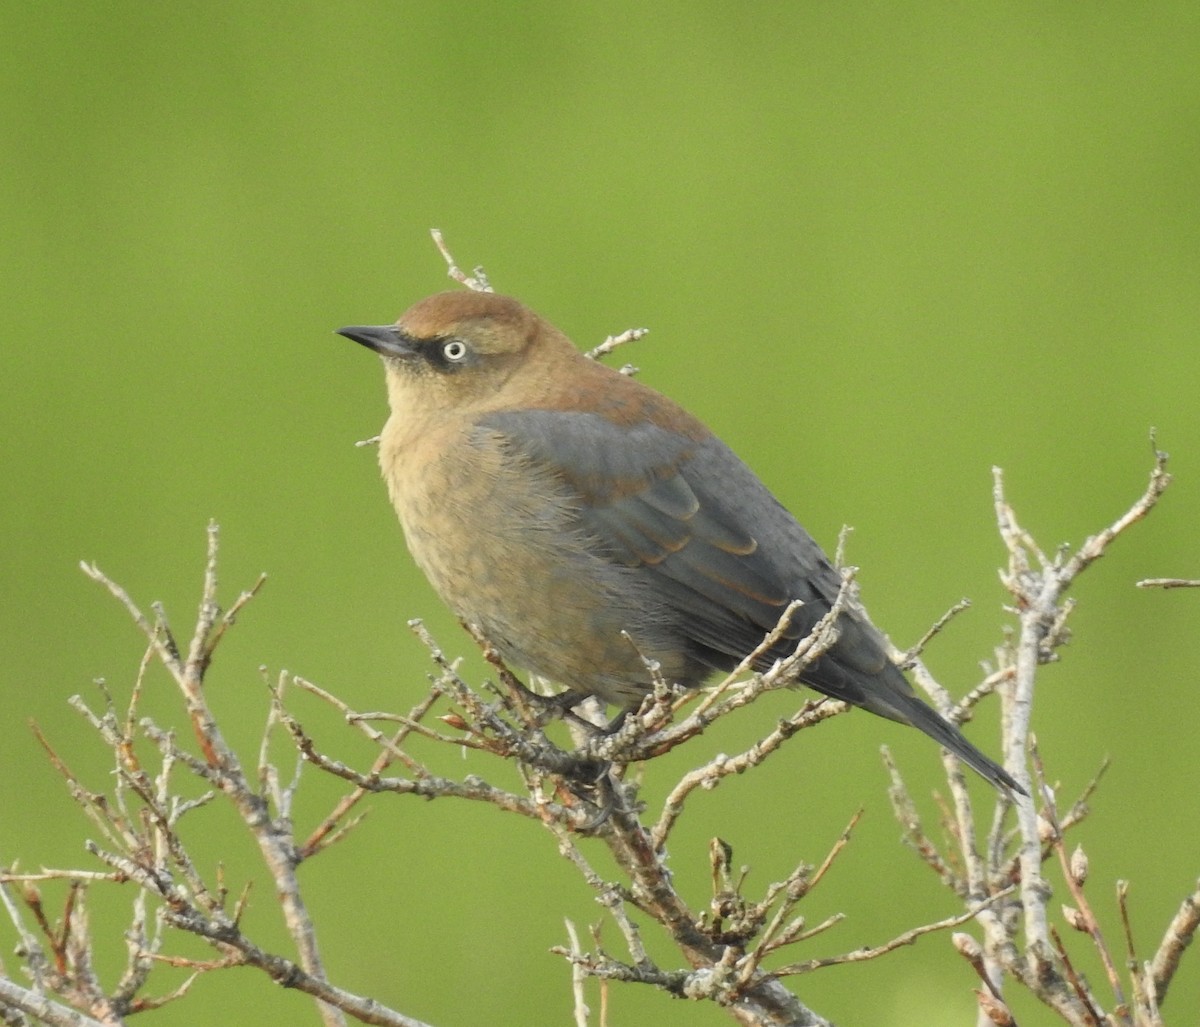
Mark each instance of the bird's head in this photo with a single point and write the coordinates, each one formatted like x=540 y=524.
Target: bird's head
x=464 y=349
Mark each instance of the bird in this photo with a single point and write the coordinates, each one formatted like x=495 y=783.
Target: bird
x=590 y=528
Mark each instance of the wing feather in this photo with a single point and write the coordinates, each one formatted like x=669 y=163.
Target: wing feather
x=647 y=501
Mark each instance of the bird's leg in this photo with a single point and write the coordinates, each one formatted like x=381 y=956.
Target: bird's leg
x=564 y=706
x=591 y=778
x=564 y=702
x=604 y=798
x=606 y=792
x=617 y=722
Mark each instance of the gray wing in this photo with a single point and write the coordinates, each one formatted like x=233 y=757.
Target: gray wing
x=723 y=554
x=710 y=537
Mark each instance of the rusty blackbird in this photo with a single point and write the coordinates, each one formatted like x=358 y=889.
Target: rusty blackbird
x=557 y=504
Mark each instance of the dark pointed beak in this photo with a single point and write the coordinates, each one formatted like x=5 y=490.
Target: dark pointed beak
x=386 y=340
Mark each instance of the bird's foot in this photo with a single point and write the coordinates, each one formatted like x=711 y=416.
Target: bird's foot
x=603 y=793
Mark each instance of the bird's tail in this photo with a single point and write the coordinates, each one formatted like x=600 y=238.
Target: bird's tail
x=885 y=691
x=925 y=718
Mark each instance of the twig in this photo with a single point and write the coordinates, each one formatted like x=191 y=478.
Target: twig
x=721 y=766
x=1168 y=583
x=936 y=629
x=46 y=1010
x=906 y=814
x=578 y=977
x=907 y=938
x=1175 y=941
x=478 y=283
x=1081 y=916
x=614 y=342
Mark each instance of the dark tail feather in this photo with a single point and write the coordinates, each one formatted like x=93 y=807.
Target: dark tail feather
x=885 y=691
x=925 y=718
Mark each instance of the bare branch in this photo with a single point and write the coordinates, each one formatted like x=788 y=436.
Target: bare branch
x=614 y=342
x=1168 y=583
x=1178 y=937
x=907 y=938
x=478 y=283
x=45 y=1009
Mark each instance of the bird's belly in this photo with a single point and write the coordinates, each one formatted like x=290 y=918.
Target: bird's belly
x=536 y=586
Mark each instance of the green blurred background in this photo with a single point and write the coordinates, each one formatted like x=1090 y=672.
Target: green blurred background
x=881 y=249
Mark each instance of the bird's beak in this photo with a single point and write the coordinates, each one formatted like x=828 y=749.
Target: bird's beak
x=386 y=340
